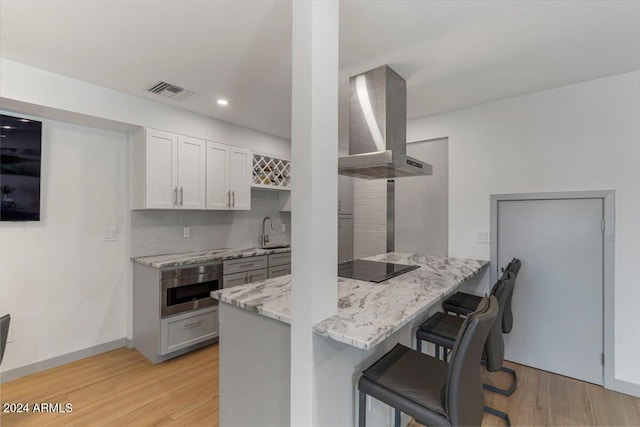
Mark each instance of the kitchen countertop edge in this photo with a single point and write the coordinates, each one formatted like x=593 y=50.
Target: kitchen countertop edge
x=271 y=298
x=202 y=257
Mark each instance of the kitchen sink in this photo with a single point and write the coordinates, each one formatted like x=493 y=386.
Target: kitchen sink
x=275 y=246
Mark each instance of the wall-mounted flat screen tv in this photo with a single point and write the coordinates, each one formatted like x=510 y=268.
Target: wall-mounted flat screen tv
x=20 y=164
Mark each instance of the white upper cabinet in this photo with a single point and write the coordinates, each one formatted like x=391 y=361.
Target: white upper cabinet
x=218 y=193
x=168 y=171
x=161 y=176
x=228 y=177
x=191 y=173
x=240 y=178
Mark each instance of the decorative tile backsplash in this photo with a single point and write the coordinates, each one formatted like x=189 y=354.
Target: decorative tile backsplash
x=155 y=232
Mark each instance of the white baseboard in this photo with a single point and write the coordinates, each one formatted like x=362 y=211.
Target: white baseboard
x=43 y=365
x=627 y=387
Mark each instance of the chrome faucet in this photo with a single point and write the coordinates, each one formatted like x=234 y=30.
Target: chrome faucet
x=264 y=238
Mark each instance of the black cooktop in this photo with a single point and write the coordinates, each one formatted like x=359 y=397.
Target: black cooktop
x=372 y=271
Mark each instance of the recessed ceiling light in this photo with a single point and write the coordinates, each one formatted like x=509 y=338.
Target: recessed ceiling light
x=222 y=101
x=6 y=127
x=2 y=136
x=25 y=120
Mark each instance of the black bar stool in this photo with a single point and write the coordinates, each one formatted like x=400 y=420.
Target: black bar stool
x=432 y=391
x=4 y=332
x=442 y=330
x=462 y=303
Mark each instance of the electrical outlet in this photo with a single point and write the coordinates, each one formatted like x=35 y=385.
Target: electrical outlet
x=483 y=237
x=284 y=227
x=186 y=232
x=111 y=235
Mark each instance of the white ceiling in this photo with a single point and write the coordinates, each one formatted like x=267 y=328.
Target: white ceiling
x=453 y=54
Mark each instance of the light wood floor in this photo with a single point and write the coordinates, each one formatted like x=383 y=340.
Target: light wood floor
x=122 y=388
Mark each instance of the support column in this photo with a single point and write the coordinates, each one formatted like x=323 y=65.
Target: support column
x=314 y=161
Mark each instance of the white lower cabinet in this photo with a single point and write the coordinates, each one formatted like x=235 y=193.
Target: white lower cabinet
x=242 y=278
x=279 y=259
x=279 y=270
x=235 y=279
x=254 y=269
x=257 y=275
x=184 y=330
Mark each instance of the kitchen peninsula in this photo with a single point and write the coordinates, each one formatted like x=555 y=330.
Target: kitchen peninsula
x=371 y=318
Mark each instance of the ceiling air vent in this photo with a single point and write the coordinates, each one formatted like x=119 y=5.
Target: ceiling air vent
x=170 y=91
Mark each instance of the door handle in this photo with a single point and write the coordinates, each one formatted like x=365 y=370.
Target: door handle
x=175 y=196
x=233 y=193
x=181 y=195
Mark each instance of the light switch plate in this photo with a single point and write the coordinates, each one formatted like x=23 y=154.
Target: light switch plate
x=186 y=232
x=284 y=227
x=10 y=333
x=483 y=237
x=111 y=235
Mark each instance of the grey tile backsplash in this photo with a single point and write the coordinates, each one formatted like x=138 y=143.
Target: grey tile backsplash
x=155 y=232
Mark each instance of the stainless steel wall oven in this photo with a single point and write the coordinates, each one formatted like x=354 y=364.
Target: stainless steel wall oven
x=188 y=289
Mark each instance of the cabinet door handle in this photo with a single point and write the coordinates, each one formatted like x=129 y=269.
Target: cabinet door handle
x=189 y=325
x=175 y=196
x=233 y=193
x=229 y=198
x=249 y=265
x=181 y=195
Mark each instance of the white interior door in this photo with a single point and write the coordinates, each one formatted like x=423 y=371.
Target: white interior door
x=558 y=297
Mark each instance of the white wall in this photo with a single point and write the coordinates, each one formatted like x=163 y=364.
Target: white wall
x=161 y=231
x=579 y=137
x=42 y=88
x=63 y=285
x=422 y=203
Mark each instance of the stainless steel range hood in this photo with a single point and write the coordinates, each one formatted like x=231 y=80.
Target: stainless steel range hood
x=378 y=128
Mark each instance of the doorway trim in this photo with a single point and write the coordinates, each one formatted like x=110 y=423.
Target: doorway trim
x=608 y=270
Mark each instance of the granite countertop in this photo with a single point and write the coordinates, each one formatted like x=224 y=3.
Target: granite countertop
x=367 y=312
x=201 y=257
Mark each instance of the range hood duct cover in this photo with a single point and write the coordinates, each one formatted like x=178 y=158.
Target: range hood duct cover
x=378 y=128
